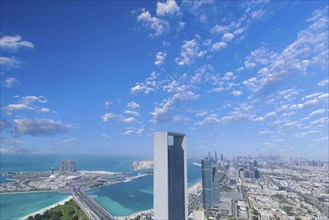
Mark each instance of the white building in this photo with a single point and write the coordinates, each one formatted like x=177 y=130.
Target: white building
x=170 y=176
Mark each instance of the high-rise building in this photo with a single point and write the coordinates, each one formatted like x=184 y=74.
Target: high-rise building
x=72 y=166
x=206 y=183
x=251 y=165
x=170 y=176
x=210 y=184
x=62 y=166
x=215 y=186
x=221 y=157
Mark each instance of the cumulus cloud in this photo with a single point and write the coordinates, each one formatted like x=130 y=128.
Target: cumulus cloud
x=149 y=85
x=9 y=62
x=160 y=58
x=11 y=108
x=167 y=8
x=218 y=46
x=10 y=82
x=324 y=82
x=14 y=42
x=158 y=26
x=25 y=104
x=189 y=51
x=128 y=120
x=211 y=119
x=162 y=112
x=228 y=37
x=107 y=116
x=296 y=58
x=236 y=93
x=40 y=127
x=133 y=130
x=133 y=105
x=31 y=99
x=130 y=112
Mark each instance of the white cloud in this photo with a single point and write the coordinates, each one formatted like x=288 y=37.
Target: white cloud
x=319 y=121
x=211 y=119
x=44 y=110
x=162 y=112
x=160 y=58
x=324 y=82
x=9 y=62
x=228 y=37
x=130 y=112
x=149 y=85
x=30 y=99
x=167 y=8
x=14 y=42
x=133 y=105
x=65 y=141
x=10 y=82
x=189 y=51
x=132 y=130
x=218 y=46
x=317 y=112
x=39 y=127
x=158 y=26
x=107 y=104
x=11 y=108
x=128 y=120
x=296 y=58
x=107 y=116
x=236 y=93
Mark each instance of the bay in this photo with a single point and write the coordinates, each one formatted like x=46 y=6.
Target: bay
x=15 y=206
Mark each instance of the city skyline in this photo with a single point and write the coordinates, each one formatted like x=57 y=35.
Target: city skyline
x=101 y=77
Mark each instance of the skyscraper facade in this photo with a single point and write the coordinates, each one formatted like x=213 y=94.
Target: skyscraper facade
x=210 y=184
x=207 y=183
x=170 y=176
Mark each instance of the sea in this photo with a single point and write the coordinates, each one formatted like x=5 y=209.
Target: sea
x=120 y=199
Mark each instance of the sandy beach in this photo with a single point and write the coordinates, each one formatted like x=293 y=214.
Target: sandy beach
x=33 y=191
x=41 y=211
x=98 y=172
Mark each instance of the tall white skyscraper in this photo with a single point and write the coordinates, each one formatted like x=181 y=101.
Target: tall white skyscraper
x=170 y=176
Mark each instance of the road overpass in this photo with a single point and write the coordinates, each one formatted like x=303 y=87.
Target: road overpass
x=91 y=207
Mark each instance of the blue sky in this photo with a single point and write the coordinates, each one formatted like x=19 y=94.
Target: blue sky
x=241 y=78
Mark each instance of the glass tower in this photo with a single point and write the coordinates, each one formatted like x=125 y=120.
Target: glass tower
x=170 y=176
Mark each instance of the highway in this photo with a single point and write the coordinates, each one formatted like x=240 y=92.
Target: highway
x=91 y=207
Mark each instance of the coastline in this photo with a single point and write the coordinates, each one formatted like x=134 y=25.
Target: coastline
x=191 y=189
x=41 y=211
x=33 y=191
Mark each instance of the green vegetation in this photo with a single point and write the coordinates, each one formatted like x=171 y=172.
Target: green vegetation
x=281 y=199
x=288 y=210
x=69 y=211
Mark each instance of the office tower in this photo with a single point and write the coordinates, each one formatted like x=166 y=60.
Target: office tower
x=221 y=157
x=251 y=165
x=170 y=176
x=257 y=174
x=215 y=187
x=62 y=166
x=210 y=184
x=206 y=183
x=216 y=157
x=52 y=170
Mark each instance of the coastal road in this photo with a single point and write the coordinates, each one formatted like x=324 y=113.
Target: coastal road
x=93 y=209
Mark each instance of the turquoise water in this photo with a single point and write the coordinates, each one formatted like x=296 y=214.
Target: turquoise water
x=15 y=206
x=3 y=179
x=126 y=198
x=120 y=199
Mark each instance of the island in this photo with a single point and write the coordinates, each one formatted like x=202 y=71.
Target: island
x=143 y=164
